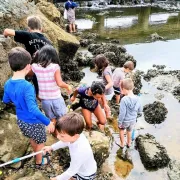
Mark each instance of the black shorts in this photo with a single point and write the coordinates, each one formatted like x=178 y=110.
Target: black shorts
x=117 y=91
x=91 y=177
x=35 y=131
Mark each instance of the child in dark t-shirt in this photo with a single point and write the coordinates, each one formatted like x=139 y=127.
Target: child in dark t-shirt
x=33 y=39
x=89 y=103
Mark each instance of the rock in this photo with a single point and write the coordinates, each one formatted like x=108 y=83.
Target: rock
x=150 y=74
x=93 y=47
x=155 y=37
x=159 y=96
x=176 y=92
x=35 y=176
x=155 y=113
x=115 y=41
x=13 y=142
x=86 y=42
x=84 y=59
x=153 y=155
x=159 y=67
x=174 y=170
x=100 y=146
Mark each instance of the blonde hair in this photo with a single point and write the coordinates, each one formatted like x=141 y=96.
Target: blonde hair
x=34 y=22
x=127 y=84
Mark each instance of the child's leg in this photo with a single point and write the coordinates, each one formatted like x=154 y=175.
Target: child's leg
x=121 y=134
x=117 y=98
x=87 y=116
x=129 y=138
x=70 y=28
x=73 y=27
x=37 y=147
x=100 y=117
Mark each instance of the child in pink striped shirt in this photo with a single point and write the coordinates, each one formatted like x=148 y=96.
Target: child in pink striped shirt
x=47 y=70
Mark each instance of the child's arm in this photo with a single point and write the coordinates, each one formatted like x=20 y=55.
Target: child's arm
x=74 y=95
x=109 y=80
x=6 y=98
x=122 y=112
x=9 y=32
x=60 y=82
x=105 y=105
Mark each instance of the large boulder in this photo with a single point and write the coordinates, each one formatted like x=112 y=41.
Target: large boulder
x=155 y=113
x=153 y=155
x=13 y=142
x=174 y=170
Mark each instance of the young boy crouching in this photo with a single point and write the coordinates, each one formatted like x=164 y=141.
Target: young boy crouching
x=69 y=131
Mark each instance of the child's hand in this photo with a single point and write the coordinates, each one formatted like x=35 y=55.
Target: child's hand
x=47 y=149
x=69 y=90
x=73 y=99
x=51 y=127
x=53 y=178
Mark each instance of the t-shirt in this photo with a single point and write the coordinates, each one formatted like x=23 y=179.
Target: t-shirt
x=82 y=158
x=87 y=102
x=48 y=88
x=33 y=41
x=107 y=71
x=22 y=94
x=118 y=75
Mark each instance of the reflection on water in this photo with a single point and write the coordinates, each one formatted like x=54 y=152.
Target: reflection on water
x=130 y=25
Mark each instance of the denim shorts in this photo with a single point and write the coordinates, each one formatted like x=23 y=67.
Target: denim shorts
x=54 y=108
x=129 y=126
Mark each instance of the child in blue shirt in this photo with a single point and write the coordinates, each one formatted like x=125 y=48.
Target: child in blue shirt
x=30 y=119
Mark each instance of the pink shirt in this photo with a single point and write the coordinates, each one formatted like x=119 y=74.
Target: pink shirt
x=48 y=89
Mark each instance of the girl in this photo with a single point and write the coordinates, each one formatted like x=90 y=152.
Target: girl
x=89 y=103
x=49 y=79
x=102 y=64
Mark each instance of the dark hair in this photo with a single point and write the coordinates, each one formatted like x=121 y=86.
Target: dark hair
x=129 y=65
x=46 y=55
x=71 y=123
x=97 y=88
x=101 y=61
x=18 y=58
x=34 y=22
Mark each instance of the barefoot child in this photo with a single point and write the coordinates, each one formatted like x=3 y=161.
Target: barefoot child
x=69 y=131
x=19 y=91
x=33 y=39
x=119 y=75
x=48 y=74
x=89 y=103
x=129 y=107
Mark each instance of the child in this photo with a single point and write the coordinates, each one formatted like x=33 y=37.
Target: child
x=48 y=74
x=89 y=103
x=19 y=91
x=70 y=7
x=102 y=64
x=129 y=107
x=119 y=75
x=33 y=39
x=69 y=132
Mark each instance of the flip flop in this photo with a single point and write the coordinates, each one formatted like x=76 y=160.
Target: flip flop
x=46 y=156
x=119 y=145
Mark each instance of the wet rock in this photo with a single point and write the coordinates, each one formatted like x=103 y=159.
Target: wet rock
x=176 y=92
x=86 y=42
x=153 y=155
x=93 y=47
x=174 y=170
x=100 y=146
x=155 y=37
x=159 y=96
x=84 y=59
x=150 y=74
x=115 y=41
x=36 y=176
x=155 y=113
x=90 y=36
x=13 y=142
x=159 y=67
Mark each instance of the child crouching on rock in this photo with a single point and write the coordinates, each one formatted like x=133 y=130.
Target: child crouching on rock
x=69 y=131
x=129 y=107
x=89 y=103
x=30 y=119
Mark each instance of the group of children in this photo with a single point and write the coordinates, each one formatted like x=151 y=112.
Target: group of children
x=40 y=61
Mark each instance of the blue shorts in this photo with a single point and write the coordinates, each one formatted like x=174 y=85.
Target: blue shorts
x=54 y=108
x=117 y=90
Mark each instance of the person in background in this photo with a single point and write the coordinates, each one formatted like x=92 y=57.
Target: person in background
x=119 y=75
x=30 y=119
x=70 y=7
x=69 y=131
x=129 y=107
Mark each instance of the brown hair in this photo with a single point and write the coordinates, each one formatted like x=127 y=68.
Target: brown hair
x=18 y=58
x=127 y=84
x=101 y=61
x=129 y=65
x=71 y=123
x=34 y=22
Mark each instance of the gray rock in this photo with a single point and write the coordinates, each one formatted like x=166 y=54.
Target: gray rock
x=155 y=113
x=155 y=37
x=174 y=170
x=150 y=74
x=153 y=155
x=159 y=96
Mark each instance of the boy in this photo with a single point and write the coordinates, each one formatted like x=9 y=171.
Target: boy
x=33 y=39
x=69 y=131
x=129 y=107
x=19 y=91
x=118 y=75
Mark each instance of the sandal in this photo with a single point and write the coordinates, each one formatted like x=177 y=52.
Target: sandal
x=119 y=145
x=46 y=156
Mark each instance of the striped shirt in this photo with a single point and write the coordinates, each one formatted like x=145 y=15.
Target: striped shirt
x=48 y=89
